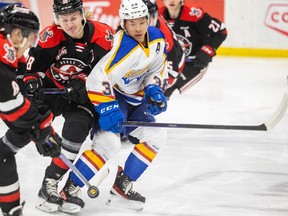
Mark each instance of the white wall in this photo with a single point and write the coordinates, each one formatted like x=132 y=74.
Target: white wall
x=247 y=23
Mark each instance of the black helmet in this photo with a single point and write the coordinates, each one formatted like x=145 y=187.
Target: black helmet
x=152 y=6
x=17 y=16
x=67 y=6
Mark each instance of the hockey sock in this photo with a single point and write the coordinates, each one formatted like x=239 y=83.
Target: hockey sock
x=139 y=159
x=89 y=163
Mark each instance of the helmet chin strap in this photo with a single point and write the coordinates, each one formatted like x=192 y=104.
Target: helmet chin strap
x=84 y=21
x=16 y=46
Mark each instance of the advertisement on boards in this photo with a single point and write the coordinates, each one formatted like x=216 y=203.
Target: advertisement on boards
x=277 y=18
x=106 y=11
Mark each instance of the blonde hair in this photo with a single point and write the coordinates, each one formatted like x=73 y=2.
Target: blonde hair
x=87 y=15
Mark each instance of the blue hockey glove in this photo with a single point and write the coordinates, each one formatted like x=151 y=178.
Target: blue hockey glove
x=155 y=99
x=110 y=116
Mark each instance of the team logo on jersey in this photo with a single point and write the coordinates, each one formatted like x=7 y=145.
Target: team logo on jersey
x=45 y=35
x=185 y=44
x=134 y=75
x=195 y=12
x=10 y=54
x=67 y=69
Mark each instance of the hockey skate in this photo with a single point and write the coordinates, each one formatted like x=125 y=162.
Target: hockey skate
x=122 y=195
x=72 y=203
x=49 y=199
x=16 y=211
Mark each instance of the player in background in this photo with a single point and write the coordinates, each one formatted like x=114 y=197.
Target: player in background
x=175 y=54
x=200 y=35
x=127 y=85
x=65 y=55
x=4 y=3
x=19 y=31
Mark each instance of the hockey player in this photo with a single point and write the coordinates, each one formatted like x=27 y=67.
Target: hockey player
x=4 y=3
x=200 y=35
x=66 y=53
x=19 y=31
x=127 y=84
x=175 y=54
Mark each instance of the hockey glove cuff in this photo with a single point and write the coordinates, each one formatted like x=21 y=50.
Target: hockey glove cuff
x=110 y=116
x=155 y=99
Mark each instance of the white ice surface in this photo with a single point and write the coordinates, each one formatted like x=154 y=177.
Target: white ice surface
x=202 y=172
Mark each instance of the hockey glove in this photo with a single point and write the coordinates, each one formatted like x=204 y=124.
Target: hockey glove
x=47 y=141
x=33 y=84
x=110 y=116
x=51 y=147
x=203 y=57
x=155 y=99
x=76 y=91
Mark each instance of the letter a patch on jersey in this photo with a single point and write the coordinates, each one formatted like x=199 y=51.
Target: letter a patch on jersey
x=158 y=48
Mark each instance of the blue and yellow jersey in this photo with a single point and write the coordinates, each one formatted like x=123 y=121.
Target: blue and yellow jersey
x=128 y=68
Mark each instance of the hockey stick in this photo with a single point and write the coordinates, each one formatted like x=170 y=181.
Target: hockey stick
x=54 y=91
x=92 y=191
x=266 y=126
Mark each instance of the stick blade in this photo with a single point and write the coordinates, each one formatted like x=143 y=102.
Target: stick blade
x=278 y=114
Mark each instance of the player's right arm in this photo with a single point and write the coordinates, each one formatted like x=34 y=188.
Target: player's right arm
x=39 y=60
x=18 y=113
x=100 y=93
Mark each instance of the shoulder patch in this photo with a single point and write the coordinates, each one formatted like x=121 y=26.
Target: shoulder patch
x=195 y=12
x=192 y=13
x=109 y=36
x=10 y=54
x=47 y=33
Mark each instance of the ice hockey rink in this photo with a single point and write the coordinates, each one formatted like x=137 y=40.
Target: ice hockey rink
x=202 y=172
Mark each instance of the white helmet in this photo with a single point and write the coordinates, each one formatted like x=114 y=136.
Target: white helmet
x=132 y=9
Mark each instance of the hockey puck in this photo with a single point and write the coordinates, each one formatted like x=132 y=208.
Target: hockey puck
x=93 y=192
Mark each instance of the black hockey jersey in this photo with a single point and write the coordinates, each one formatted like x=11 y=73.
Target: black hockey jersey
x=195 y=28
x=62 y=58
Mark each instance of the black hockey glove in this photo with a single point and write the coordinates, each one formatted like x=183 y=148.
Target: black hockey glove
x=76 y=91
x=47 y=141
x=203 y=57
x=33 y=84
x=51 y=147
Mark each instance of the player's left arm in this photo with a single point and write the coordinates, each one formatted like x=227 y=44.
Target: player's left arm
x=156 y=82
x=214 y=32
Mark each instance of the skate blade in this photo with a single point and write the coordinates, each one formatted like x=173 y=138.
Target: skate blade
x=118 y=202
x=70 y=208
x=45 y=206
